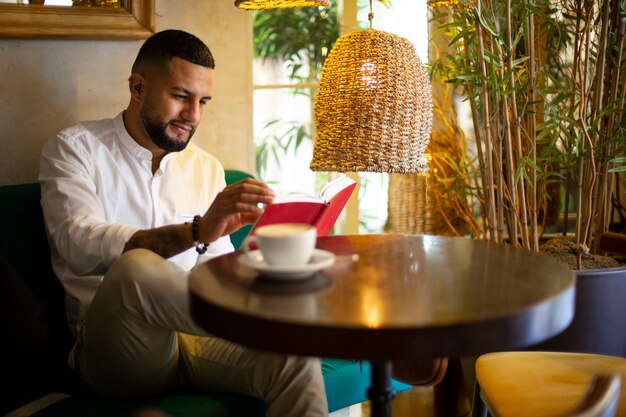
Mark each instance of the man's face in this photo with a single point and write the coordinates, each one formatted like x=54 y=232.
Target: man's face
x=174 y=103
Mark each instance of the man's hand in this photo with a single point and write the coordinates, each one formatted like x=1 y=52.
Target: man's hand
x=236 y=206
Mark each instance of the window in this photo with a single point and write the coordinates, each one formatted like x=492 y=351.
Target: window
x=284 y=88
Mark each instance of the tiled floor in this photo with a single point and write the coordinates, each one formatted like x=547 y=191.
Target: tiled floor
x=420 y=402
x=417 y=401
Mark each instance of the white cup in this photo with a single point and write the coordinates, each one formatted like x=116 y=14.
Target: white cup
x=284 y=244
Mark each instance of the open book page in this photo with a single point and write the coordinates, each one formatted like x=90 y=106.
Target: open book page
x=331 y=189
x=321 y=212
x=336 y=194
x=290 y=198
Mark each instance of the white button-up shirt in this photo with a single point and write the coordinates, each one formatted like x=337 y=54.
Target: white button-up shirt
x=98 y=190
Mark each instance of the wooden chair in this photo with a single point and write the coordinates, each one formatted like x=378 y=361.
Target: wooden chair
x=549 y=384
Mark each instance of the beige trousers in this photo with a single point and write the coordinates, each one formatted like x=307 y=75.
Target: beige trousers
x=139 y=340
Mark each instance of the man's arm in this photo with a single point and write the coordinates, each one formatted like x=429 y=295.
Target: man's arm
x=234 y=207
x=74 y=214
x=167 y=241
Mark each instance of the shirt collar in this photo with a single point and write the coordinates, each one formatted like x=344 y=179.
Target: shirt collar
x=133 y=147
x=128 y=142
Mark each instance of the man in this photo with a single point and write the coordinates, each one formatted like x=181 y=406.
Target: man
x=132 y=200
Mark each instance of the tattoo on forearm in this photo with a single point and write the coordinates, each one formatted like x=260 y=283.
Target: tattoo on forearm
x=166 y=241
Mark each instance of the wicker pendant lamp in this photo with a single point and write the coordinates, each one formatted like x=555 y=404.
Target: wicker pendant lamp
x=373 y=108
x=278 y=4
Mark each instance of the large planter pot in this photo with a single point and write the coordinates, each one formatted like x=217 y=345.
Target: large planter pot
x=599 y=324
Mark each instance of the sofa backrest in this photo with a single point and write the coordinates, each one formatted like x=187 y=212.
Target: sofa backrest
x=36 y=339
x=23 y=239
x=32 y=317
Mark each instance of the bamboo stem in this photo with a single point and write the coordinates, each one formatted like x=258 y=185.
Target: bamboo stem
x=515 y=81
x=583 y=238
x=532 y=130
x=613 y=80
x=507 y=191
x=516 y=160
x=493 y=224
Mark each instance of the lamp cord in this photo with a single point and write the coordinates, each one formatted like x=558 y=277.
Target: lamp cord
x=370 y=16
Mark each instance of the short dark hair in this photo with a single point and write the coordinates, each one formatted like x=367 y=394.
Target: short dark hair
x=161 y=47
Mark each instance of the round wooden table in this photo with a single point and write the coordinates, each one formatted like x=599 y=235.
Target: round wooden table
x=390 y=297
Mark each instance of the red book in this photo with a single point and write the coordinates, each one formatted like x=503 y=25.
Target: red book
x=321 y=212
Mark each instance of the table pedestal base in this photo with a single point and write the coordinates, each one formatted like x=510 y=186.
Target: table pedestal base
x=380 y=392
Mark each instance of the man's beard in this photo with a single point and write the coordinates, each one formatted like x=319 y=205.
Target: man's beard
x=157 y=132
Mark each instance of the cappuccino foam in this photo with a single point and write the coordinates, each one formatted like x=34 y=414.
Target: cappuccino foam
x=282 y=230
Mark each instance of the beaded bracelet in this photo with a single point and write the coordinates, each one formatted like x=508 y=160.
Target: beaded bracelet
x=195 y=235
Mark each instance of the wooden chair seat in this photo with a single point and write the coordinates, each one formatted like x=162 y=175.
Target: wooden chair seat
x=541 y=384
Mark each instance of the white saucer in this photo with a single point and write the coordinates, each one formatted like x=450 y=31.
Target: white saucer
x=254 y=259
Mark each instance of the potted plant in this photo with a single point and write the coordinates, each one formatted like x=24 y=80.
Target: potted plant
x=545 y=83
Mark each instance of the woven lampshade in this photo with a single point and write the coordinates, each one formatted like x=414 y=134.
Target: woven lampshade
x=278 y=4
x=373 y=109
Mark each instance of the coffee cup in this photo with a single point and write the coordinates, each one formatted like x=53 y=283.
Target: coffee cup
x=284 y=244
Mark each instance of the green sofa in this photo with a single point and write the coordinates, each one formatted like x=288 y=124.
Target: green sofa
x=36 y=340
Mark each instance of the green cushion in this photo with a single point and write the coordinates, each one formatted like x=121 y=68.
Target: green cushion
x=23 y=240
x=346 y=383
x=232 y=176
x=184 y=405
